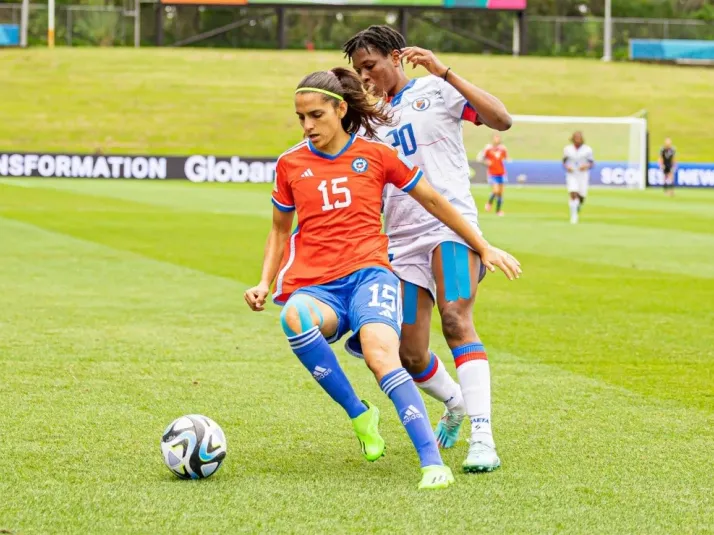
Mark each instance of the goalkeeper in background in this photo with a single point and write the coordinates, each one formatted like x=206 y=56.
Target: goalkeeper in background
x=577 y=161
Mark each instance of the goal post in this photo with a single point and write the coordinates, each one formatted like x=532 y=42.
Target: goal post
x=535 y=145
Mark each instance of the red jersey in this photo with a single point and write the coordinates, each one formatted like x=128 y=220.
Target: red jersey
x=338 y=200
x=496 y=156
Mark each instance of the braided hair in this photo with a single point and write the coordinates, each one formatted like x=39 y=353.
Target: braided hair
x=383 y=38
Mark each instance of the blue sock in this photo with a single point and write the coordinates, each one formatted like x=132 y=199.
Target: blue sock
x=316 y=355
x=490 y=199
x=499 y=202
x=400 y=388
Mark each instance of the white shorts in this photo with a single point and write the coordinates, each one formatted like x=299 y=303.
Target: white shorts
x=411 y=257
x=578 y=184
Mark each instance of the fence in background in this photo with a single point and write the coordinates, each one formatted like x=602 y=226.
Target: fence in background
x=80 y=25
x=576 y=36
x=75 y=25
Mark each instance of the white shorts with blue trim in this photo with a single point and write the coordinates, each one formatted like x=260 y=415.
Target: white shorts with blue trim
x=411 y=258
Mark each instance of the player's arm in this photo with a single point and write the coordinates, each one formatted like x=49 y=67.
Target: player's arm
x=491 y=111
x=273 y=254
x=566 y=164
x=589 y=164
x=483 y=157
x=283 y=216
x=440 y=208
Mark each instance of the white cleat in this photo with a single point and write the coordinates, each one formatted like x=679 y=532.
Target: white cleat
x=481 y=458
x=574 y=219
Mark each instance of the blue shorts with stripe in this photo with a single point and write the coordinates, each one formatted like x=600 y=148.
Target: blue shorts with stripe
x=496 y=179
x=369 y=295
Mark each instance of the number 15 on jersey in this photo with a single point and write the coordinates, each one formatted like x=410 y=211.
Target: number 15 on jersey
x=339 y=195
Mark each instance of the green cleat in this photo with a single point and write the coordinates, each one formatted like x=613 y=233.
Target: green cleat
x=436 y=477
x=366 y=427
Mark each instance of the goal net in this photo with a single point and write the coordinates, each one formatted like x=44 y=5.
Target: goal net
x=535 y=145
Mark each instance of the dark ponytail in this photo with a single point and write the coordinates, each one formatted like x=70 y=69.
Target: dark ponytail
x=362 y=110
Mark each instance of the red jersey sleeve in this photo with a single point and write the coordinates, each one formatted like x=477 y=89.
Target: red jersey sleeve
x=282 y=193
x=399 y=171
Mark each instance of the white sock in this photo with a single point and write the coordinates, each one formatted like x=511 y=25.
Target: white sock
x=574 y=204
x=475 y=379
x=437 y=382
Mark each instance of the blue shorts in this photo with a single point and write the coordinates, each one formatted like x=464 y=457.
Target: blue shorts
x=370 y=295
x=496 y=179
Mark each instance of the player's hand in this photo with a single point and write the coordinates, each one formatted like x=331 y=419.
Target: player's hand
x=569 y=168
x=256 y=296
x=584 y=167
x=498 y=258
x=425 y=58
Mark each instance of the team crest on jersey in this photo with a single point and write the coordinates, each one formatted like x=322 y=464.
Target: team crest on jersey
x=359 y=165
x=421 y=104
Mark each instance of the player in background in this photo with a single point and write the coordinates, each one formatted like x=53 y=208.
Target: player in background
x=335 y=276
x=434 y=264
x=577 y=161
x=667 y=164
x=493 y=156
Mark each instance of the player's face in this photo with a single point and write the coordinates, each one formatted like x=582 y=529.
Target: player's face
x=668 y=143
x=319 y=117
x=496 y=140
x=379 y=73
x=577 y=138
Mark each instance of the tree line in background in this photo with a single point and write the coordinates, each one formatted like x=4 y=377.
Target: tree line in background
x=448 y=31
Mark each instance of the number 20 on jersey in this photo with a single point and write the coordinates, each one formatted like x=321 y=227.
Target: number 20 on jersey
x=403 y=137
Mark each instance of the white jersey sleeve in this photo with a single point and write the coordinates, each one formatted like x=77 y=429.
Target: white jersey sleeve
x=456 y=104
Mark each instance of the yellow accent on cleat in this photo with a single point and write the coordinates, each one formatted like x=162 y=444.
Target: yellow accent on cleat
x=436 y=477
x=366 y=427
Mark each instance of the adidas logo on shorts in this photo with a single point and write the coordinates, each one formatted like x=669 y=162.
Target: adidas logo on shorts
x=411 y=414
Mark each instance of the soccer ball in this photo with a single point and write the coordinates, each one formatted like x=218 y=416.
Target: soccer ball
x=193 y=446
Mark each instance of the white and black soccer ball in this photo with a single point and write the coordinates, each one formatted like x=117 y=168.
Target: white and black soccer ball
x=193 y=446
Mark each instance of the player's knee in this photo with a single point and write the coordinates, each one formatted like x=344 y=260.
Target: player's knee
x=299 y=315
x=413 y=360
x=457 y=325
x=380 y=347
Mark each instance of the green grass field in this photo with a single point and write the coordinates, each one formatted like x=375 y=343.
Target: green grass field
x=173 y=101
x=121 y=308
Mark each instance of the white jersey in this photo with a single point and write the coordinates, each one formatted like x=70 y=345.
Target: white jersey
x=427 y=115
x=574 y=158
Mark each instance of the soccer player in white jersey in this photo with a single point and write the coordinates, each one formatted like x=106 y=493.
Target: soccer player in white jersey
x=577 y=161
x=434 y=264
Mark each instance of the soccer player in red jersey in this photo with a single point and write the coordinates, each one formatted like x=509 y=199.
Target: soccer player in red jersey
x=494 y=154
x=333 y=274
